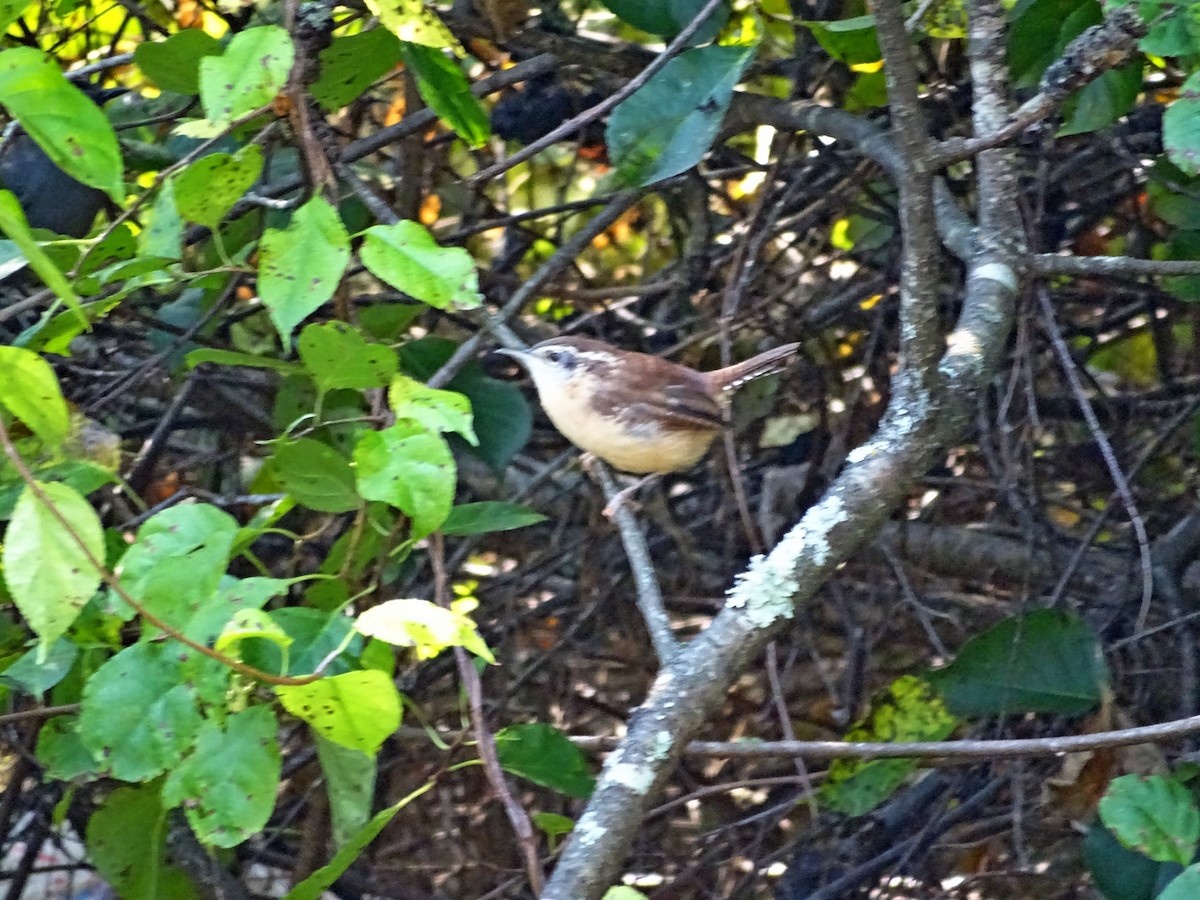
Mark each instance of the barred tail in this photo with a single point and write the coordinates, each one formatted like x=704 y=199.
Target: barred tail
x=768 y=363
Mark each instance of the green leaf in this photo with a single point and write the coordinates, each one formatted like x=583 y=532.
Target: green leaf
x=502 y=418
x=234 y=596
x=29 y=390
x=126 y=841
x=61 y=750
x=410 y=21
x=251 y=71
x=1104 y=101
x=908 y=711
x=14 y=224
x=118 y=722
x=445 y=88
x=1120 y=873
x=316 y=475
x=851 y=41
x=207 y=189
x=359 y=710
x=668 y=125
x=544 y=755
x=1040 y=32
x=668 y=17
x=337 y=357
x=353 y=63
x=1185 y=887
x=1181 y=127
x=249 y=622
x=434 y=409
x=406 y=256
x=1045 y=661
x=407 y=467
x=47 y=572
x=428 y=628
x=316 y=635
x=69 y=127
x=163 y=234
x=315 y=885
x=1174 y=28
x=1153 y=815
x=553 y=826
x=174 y=64
x=489 y=515
x=235 y=358
x=623 y=892
x=10 y=11
x=350 y=786
x=34 y=676
x=300 y=266
x=178 y=560
x=227 y=787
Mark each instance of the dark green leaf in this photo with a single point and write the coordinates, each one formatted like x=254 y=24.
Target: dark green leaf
x=668 y=17
x=489 y=515
x=174 y=64
x=1120 y=873
x=353 y=63
x=667 y=126
x=545 y=756
x=61 y=750
x=1040 y=32
x=350 y=786
x=445 y=88
x=501 y=415
x=851 y=41
x=1104 y=101
x=126 y=840
x=1045 y=661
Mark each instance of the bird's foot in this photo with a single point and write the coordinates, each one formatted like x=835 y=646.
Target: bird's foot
x=623 y=496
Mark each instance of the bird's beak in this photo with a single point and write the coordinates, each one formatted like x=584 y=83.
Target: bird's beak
x=520 y=356
x=499 y=363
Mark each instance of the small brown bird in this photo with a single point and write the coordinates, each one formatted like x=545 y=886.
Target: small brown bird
x=637 y=412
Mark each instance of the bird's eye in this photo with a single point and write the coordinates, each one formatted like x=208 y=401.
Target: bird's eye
x=558 y=357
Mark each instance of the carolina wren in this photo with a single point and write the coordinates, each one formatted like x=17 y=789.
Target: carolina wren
x=637 y=412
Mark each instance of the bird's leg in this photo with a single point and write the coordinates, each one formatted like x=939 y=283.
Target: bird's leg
x=591 y=463
x=625 y=493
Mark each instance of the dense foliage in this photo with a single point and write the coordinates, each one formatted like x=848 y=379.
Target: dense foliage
x=300 y=590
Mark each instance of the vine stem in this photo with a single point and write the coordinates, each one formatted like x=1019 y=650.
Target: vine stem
x=114 y=583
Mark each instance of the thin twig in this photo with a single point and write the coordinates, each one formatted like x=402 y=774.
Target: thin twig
x=484 y=740
x=569 y=127
x=649 y=597
x=1120 y=482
